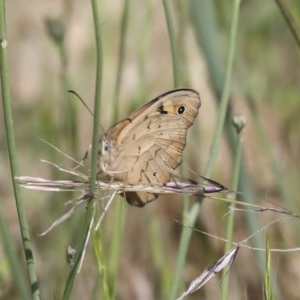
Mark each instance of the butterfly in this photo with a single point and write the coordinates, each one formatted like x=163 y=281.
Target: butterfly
x=147 y=146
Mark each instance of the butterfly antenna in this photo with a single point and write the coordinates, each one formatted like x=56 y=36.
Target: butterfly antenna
x=82 y=101
x=85 y=105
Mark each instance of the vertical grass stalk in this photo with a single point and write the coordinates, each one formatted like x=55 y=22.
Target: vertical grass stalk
x=194 y=211
x=268 y=295
x=121 y=59
x=8 y=120
x=239 y=124
x=14 y=264
x=102 y=265
x=291 y=22
x=173 y=43
x=97 y=106
x=120 y=211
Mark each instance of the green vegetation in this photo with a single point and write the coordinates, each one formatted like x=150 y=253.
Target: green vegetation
x=242 y=57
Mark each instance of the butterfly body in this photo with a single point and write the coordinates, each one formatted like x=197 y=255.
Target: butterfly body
x=147 y=146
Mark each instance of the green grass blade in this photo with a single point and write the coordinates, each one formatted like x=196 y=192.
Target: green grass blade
x=97 y=106
x=226 y=91
x=119 y=212
x=97 y=239
x=12 y=259
x=195 y=210
x=268 y=295
x=121 y=59
x=294 y=27
x=173 y=44
x=8 y=120
x=116 y=245
x=239 y=123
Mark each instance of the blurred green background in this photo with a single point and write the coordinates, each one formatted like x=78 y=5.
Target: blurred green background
x=51 y=49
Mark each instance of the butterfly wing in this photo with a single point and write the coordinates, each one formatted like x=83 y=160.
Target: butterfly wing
x=149 y=143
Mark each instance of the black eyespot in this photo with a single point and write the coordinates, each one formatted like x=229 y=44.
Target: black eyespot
x=154 y=173
x=181 y=109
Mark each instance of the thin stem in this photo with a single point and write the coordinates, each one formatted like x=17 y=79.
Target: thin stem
x=121 y=59
x=226 y=91
x=120 y=209
x=294 y=27
x=8 y=120
x=97 y=106
x=173 y=43
x=230 y=222
x=12 y=259
x=195 y=209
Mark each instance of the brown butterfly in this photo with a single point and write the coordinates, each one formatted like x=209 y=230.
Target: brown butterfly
x=147 y=146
